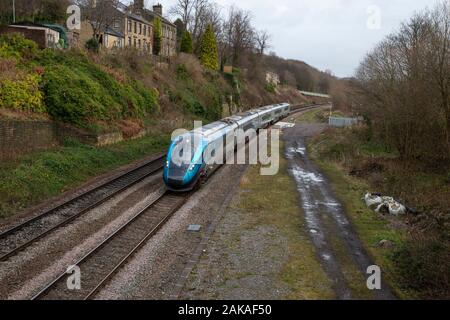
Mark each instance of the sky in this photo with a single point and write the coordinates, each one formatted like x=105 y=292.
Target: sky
x=327 y=34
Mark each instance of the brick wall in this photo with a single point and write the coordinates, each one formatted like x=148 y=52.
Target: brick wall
x=21 y=137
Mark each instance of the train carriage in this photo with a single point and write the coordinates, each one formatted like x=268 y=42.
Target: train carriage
x=193 y=156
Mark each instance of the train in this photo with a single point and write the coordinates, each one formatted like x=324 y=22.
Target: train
x=186 y=167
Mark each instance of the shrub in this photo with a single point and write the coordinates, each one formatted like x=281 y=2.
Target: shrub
x=22 y=94
x=157 y=36
x=270 y=87
x=186 y=43
x=92 y=45
x=208 y=49
x=16 y=46
x=77 y=91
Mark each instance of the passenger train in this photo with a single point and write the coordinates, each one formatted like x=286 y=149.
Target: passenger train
x=186 y=167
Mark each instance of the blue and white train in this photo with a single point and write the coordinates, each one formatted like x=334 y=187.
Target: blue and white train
x=186 y=175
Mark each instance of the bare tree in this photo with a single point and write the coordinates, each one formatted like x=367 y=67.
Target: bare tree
x=238 y=33
x=183 y=9
x=101 y=13
x=404 y=85
x=262 y=38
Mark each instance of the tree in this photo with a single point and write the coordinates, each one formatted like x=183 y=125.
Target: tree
x=238 y=34
x=183 y=9
x=101 y=13
x=157 y=36
x=186 y=43
x=208 y=49
x=262 y=40
x=53 y=11
x=404 y=86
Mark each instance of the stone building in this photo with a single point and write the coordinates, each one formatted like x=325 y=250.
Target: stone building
x=169 y=30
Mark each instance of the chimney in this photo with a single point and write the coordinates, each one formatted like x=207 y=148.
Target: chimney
x=139 y=5
x=158 y=9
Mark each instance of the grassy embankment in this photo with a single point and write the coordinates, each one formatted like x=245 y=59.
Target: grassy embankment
x=42 y=175
x=277 y=207
x=418 y=264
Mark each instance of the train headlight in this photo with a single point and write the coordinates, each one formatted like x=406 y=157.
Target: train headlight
x=192 y=167
x=167 y=163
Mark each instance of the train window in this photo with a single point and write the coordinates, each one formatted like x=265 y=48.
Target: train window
x=267 y=117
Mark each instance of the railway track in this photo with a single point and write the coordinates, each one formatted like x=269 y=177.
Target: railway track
x=23 y=235
x=100 y=264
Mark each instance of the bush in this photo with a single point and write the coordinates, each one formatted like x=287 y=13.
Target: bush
x=270 y=87
x=16 y=46
x=23 y=94
x=77 y=91
x=92 y=45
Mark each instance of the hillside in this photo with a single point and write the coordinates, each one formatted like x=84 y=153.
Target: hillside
x=121 y=90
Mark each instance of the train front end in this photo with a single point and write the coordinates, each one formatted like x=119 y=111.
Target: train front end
x=184 y=164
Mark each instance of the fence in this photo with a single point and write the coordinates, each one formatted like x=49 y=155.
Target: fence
x=343 y=122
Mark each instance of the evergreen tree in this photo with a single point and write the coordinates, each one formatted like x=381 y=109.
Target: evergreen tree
x=209 y=56
x=186 y=43
x=157 y=36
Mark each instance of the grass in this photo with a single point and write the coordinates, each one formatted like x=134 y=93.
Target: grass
x=319 y=115
x=42 y=175
x=278 y=208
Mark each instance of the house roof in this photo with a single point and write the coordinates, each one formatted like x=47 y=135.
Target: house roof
x=152 y=15
x=125 y=10
x=147 y=14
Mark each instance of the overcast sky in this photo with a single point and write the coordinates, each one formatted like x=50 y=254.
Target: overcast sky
x=327 y=34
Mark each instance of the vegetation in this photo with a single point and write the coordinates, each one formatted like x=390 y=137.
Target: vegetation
x=34 y=11
x=157 y=36
x=404 y=89
x=186 y=43
x=42 y=175
x=68 y=86
x=418 y=266
x=93 y=45
x=208 y=50
x=77 y=90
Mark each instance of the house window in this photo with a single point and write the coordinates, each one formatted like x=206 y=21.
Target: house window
x=139 y=43
x=135 y=27
x=135 y=45
x=116 y=24
x=129 y=41
x=129 y=25
x=145 y=30
x=140 y=28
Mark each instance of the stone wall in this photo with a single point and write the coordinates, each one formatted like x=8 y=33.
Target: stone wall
x=22 y=137
x=18 y=138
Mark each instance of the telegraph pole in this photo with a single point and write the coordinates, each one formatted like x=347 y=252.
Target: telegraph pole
x=14 y=11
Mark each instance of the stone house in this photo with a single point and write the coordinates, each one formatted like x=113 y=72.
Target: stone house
x=169 y=30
